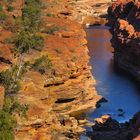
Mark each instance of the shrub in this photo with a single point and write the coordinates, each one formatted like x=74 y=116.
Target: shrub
x=11 y=86
x=9 y=0
x=3 y=16
x=10 y=8
x=30 y=2
x=12 y=105
x=9 y=40
x=28 y=25
x=7 y=124
x=18 y=108
x=10 y=78
x=53 y=30
x=50 y=15
x=7 y=120
x=25 y=41
x=42 y=64
x=31 y=15
x=38 y=42
x=1 y=8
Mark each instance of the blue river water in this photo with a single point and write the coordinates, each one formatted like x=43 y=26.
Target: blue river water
x=120 y=90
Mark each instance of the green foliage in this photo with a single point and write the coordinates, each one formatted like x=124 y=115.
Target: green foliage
x=3 y=16
x=38 y=42
x=42 y=64
x=7 y=104
x=14 y=106
x=7 y=120
x=1 y=8
x=30 y=23
x=31 y=15
x=50 y=15
x=10 y=79
x=7 y=124
x=25 y=41
x=20 y=109
x=18 y=26
x=9 y=40
x=53 y=30
x=9 y=82
x=26 y=28
x=6 y=135
x=30 y=2
x=9 y=0
x=10 y=8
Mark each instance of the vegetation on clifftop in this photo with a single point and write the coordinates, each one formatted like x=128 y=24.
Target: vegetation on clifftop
x=31 y=22
x=42 y=64
x=26 y=36
x=7 y=119
x=10 y=78
x=25 y=41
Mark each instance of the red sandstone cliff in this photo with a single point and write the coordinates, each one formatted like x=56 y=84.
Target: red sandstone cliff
x=124 y=16
x=51 y=96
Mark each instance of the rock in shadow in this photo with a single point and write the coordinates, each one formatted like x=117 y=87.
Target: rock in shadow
x=106 y=128
x=102 y=100
x=64 y=100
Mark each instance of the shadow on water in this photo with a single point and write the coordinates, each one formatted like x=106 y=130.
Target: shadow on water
x=118 y=87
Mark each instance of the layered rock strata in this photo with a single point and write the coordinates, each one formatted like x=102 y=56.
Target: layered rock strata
x=53 y=98
x=89 y=11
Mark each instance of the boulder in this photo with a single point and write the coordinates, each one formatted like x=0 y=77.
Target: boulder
x=105 y=123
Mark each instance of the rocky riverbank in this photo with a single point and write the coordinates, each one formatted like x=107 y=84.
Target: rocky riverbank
x=65 y=87
x=124 y=19
x=106 y=128
x=125 y=27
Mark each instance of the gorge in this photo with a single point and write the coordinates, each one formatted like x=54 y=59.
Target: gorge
x=59 y=80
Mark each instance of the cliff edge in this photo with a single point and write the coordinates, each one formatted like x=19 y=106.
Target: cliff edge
x=44 y=73
x=124 y=19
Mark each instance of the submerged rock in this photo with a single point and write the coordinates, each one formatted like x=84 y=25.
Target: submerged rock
x=102 y=100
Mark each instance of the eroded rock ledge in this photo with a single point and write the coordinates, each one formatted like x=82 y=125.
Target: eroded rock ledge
x=55 y=98
x=53 y=101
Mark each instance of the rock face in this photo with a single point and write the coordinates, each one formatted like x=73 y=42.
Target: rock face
x=70 y=90
x=89 y=11
x=124 y=19
x=106 y=128
x=54 y=98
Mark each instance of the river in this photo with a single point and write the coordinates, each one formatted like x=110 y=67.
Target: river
x=120 y=90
